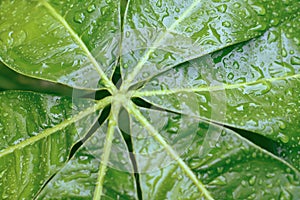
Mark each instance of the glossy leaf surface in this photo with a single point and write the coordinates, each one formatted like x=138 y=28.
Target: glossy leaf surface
x=228 y=165
x=191 y=88
x=60 y=41
x=37 y=134
x=243 y=88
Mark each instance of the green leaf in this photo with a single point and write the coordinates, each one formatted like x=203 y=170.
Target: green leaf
x=37 y=134
x=59 y=41
x=79 y=176
x=201 y=82
x=167 y=33
x=244 y=87
x=229 y=166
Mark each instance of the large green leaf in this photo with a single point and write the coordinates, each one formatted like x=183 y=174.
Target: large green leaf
x=251 y=82
x=69 y=42
x=37 y=133
x=229 y=166
x=210 y=74
x=166 y=33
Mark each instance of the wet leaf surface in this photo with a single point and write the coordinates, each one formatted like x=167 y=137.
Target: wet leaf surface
x=192 y=77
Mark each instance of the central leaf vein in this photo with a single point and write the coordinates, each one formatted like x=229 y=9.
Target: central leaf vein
x=82 y=45
x=154 y=133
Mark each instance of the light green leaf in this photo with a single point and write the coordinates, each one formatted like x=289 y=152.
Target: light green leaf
x=61 y=41
x=243 y=87
x=229 y=166
x=159 y=34
x=78 y=179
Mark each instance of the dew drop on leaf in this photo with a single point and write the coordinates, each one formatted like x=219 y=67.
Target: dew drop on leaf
x=79 y=17
x=295 y=60
x=189 y=30
x=283 y=52
x=282 y=125
x=91 y=8
x=226 y=24
x=159 y=3
x=260 y=10
x=194 y=163
x=221 y=180
x=146 y=74
x=283 y=138
x=237 y=5
x=222 y=8
x=252 y=180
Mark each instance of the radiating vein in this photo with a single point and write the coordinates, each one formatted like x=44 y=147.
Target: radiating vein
x=101 y=104
x=82 y=45
x=112 y=123
x=210 y=88
x=154 y=133
x=156 y=43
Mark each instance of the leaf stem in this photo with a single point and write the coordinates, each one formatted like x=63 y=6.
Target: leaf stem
x=112 y=123
x=131 y=108
x=110 y=86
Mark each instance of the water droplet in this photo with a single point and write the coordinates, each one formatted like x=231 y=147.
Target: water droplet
x=20 y=37
x=127 y=34
x=283 y=52
x=252 y=180
x=179 y=177
x=295 y=60
x=236 y=65
x=147 y=10
x=194 y=163
x=189 y=30
x=116 y=141
x=91 y=8
x=226 y=24
x=177 y=10
x=272 y=36
x=5 y=114
x=220 y=169
x=285 y=195
x=283 y=138
x=125 y=66
x=222 y=8
x=221 y=180
x=146 y=74
x=79 y=17
x=159 y=3
x=230 y=76
x=260 y=10
x=237 y=5
x=282 y=125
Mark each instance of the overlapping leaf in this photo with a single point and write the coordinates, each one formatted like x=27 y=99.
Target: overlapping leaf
x=69 y=42
x=245 y=87
x=37 y=133
x=252 y=85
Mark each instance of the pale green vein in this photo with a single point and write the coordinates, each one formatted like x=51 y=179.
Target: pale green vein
x=138 y=115
x=156 y=43
x=112 y=123
x=210 y=88
x=82 y=45
x=101 y=104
